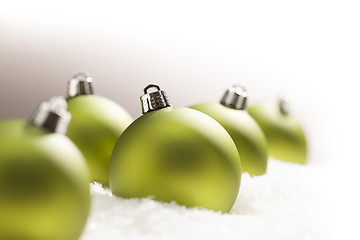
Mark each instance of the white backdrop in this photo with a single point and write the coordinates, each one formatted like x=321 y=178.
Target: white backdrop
x=307 y=51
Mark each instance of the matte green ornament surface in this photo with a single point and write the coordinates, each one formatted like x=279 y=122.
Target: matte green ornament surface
x=177 y=154
x=246 y=133
x=284 y=134
x=96 y=125
x=44 y=184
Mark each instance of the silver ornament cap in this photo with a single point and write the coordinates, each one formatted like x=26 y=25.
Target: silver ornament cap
x=235 y=97
x=283 y=107
x=151 y=101
x=81 y=83
x=52 y=115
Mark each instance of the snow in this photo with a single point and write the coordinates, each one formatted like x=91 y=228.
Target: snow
x=285 y=203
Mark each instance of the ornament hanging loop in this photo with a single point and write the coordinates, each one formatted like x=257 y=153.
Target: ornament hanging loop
x=151 y=86
x=235 y=97
x=151 y=101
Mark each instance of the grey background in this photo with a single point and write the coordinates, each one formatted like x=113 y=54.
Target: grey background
x=307 y=52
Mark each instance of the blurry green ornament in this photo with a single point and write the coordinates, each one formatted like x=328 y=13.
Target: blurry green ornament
x=284 y=134
x=96 y=124
x=176 y=154
x=44 y=180
x=247 y=135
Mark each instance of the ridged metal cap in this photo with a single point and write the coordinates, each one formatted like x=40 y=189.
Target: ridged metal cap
x=52 y=115
x=235 y=97
x=283 y=107
x=151 y=101
x=81 y=83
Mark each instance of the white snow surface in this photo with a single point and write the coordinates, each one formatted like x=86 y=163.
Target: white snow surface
x=285 y=203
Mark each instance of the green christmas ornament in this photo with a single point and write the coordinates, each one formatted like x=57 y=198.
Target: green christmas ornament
x=44 y=180
x=247 y=135
x=284 y=134
x=96 y=124
x=176 y=154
